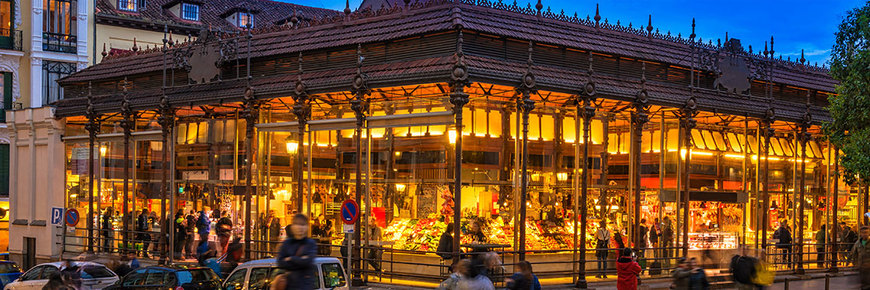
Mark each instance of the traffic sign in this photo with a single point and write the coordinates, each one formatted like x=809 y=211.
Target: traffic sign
x=71 y=217
x=56 y=216
x=349 y=212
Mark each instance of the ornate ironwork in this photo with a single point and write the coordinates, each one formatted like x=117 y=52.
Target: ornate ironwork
x=525 y=104
x=459 y=98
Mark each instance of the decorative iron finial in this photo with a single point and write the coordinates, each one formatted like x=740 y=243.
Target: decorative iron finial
x=597 y=15
x=294 y=19
x=347 y=8
x=692 y=36
x=135 y=48
x=300 y=85
x=460 y=70
x=750 y=49
x=649 y=27
x=589 y=89
x=171 y=43
x=765 y=49
x=539 y=6
x=407 y=2
x=802 y=57
x=771 y=47
x=718 y=43
x=726 y=36
x=528 y=82
x=104 y=53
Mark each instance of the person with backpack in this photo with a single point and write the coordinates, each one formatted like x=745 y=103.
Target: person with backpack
x=627 y=271
x=602 y=237
x=203 y=225
x=783 y=235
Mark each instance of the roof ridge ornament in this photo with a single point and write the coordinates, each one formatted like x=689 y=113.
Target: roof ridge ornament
x=649 y=27
x=597 y=16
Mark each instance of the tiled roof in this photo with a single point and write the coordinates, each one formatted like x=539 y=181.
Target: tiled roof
x=266 y=12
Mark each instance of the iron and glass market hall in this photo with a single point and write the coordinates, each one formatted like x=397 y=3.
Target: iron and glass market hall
x=525 y=128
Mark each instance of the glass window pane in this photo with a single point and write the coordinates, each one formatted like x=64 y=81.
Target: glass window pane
x=202 y=137
x=720 y=141
x=753 y=144
x=597 y=131
x=569 y=135
x=698 y=140
x=548 y=127
x=624 y=142
x=786 y=146
x=467 y=122
x=708 y=139
x=333 y=276
x=646 y=142
x=219 y=127
x=534 y=126
x=514 y=125
x=673 y=139
x=817 y=151
x=236 y=280
x=734 y=142
x=494 y=123
x=480 y=122
x=657 y=141
x=230 y=133
x=775 y=147
x=181 y=134
x=191 y=133
x=612 y=143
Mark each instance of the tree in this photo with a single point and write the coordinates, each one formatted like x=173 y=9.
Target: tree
x=850 y=108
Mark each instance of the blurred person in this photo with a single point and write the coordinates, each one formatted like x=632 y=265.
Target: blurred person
x=476 y=233
x=602 y=237
x=492 y=267
x=475 y=277
x=667 y=237
x=820 y=246
x=524 y=278
x=452 y=282
x=681 y=275
x=274 y=231
x=848 y=237
x=697 y=276
x=143 y=226
x=861 y=257
x=654 y=232
x=742 y=268
x=107 y=230
x=297 y=254
x=627 y=271
x=224 y=230
x=203 y=225
x=374 y=254
x=180 y=234
x=783 y=235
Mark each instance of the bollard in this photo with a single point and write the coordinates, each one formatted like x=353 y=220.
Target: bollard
x=785 y=284
x=827 y=281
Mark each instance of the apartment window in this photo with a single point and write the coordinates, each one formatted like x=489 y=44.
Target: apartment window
x=9 y=38
x=6 y=83
x=51 y=72
x=245 y=19
x=59 y=26
x=128 y=5
x=190 y=11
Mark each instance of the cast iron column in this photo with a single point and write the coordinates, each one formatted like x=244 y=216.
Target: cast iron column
x=804 y=138
x=526 y=105
x=359 y=105
x=250 y=112
x=688 y=112
x=127 y=124
x=835 y=248
x=588 y=113
x=639 y=118
x=459 y=98
x=765 y=206
x=93 y=127
x=302 y=109
x=165 y=119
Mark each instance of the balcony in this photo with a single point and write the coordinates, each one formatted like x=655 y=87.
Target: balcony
x=10 y=39
x=57 y=42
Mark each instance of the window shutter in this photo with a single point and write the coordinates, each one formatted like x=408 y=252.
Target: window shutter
x=7 y=95
x=4 y=170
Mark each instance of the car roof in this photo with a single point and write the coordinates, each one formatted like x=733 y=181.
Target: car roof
x=75 y=263
x=274 y=262
x=174 y=269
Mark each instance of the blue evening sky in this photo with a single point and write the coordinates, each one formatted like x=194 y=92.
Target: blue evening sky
x=795 y=25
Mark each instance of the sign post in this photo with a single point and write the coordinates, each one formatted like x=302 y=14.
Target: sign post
x=71 y=217
x=349 y=215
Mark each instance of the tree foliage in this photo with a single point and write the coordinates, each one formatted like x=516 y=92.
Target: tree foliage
x=850 y=108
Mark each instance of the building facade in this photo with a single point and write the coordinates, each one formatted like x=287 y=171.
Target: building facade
x=525 y=129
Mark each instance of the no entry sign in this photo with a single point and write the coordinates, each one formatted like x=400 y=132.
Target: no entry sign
x=71 y=217
x=349 y=212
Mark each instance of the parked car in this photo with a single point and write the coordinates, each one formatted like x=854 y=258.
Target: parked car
x=93 y=276
x=258 y=274
x=168 y=278
x=9 y=271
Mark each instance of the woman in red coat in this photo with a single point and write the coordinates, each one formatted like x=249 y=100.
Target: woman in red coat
x=627 y=271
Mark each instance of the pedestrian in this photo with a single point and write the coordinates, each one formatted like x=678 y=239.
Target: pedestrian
x=602 y=237
x=847 y=239
x=445 y=244
x=224 y=230
x=143 y=226
x=742 y=270
x=627 y=271
x=189 y=240
x=654 y=233
x=374 y=253
x=203 y=224
x=476 y=233
x=297 y=254
x=106 y=225
x=475 y=277
x=274 y=231
x=667 y=238
x=861 y=257
x=820 y=247
x=697 y=276
x=492 y=266
x=69 y=271
x=681 y=275
x=524 y=278
x=452 y=281
x=641 y=248
x=783 y=235
x=180 y=234
x=618 y=241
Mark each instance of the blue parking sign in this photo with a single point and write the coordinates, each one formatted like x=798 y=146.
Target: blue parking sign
x=56 y=216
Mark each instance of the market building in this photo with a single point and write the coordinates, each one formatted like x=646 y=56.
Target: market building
x=535 y=127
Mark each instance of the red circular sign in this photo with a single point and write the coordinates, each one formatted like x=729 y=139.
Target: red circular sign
x=71 y=217
x=349 y=212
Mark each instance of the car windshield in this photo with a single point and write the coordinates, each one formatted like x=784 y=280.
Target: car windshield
x=95 y=272
x=6 y=268
x=195 y=276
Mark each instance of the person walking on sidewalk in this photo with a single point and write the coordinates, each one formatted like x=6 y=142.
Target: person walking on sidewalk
x=820 y=247
x=602 y=237
x=297 y=254
x=106 y=224
x=861 y=257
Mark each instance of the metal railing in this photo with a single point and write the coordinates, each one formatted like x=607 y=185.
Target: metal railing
x=58 y=42
x=10 y=39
